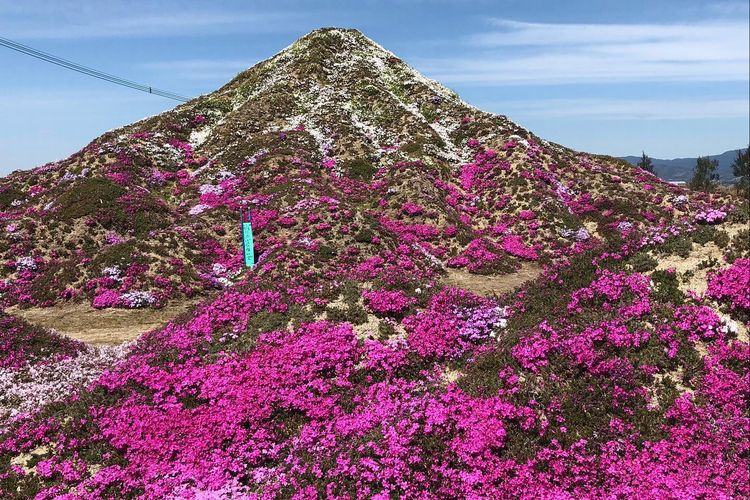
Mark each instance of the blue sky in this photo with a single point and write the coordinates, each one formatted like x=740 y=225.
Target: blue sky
x=614 y=77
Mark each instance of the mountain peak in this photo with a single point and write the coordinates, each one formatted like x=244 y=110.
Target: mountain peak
x=339 y=41
x=353 y=97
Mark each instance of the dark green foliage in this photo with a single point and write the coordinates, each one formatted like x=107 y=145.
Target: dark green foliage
x=741 y=212
x=642 y=262
x=703 y=234
x=676 y=246
x=36 y=343
x=46 y=285
x=543 y=298
x=351 y=313
x=9 y=195
x=429 y=111
x=351 y=292
x=464 y=236
x=588 y=408
x=267 y=322
x=740 y=244
x=721 y=238
x=567 y=219
x=223 y=105
x=480 y=377
x=385 y=330
x=704 y=174
x=88 y=197
x=504 y=265
x=413 y=147
x=121 y=254
x=326 y=252
x=741 y=171
x=708 y=263
x=645 y=163
x=361 y=169
x=651 y=353
x=666 y=287
x=364 y=236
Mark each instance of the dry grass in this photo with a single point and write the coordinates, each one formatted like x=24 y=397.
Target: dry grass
x=100 y=326
x=492 y=285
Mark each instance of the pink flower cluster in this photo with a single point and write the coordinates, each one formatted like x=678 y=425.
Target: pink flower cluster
x=732 y=285
x=385 y=302
x=710 y=216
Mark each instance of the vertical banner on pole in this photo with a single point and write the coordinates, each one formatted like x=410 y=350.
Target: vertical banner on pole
x=247 y=238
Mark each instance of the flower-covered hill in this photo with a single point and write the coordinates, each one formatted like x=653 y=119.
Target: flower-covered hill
x=367 y=377
x=331 y=143
x=343 y=365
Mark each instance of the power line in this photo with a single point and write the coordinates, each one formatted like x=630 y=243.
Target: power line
x=89 y=71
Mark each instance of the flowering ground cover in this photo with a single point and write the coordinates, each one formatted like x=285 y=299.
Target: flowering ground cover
x=342 y=365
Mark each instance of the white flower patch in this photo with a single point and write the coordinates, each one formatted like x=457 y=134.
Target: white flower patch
x=198 y=137
x=224 y=175
x=113 y=272
x=26 y=390
x=624 y=226
x=210 y=189
x=26 y=263
x=138 y=298
x=679 y=199
x=198 y=209
x=580 y=234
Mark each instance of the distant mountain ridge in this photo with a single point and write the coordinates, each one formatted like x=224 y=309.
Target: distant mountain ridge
x=681 y=169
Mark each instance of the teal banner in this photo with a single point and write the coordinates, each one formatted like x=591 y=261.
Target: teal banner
x=247 y=244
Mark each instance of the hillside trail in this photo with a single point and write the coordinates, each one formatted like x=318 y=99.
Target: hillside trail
x=492 y=285
x=100 y=326
x=114 y=326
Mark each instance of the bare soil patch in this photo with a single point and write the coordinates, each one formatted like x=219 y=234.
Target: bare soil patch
x=492 y=285
x=100 y=326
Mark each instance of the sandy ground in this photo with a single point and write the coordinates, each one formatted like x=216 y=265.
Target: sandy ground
x=100 y=326
x=492 y=285
x=699 y=280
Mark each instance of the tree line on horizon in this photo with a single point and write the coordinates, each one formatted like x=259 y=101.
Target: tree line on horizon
x=705 y=176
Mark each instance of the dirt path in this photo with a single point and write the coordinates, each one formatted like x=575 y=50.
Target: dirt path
x=100 y=326
x=492 y=285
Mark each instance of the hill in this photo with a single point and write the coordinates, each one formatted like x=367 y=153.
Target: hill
x=148 y=213
x=444 y=304
x=681 y=169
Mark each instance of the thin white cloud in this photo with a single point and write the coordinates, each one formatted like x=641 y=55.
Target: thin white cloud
x=199 y=69
x=733 y=9
x=542 y=53
x=623 y=109
x=62 y=98
x=66 y=19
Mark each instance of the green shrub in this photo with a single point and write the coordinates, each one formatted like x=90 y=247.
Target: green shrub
x=666 y=287
x=360 y=169
x=326 y=252
x=739 y=246
x=9 y=195
x=364 y=236
x=353 y=313
x=708 y=263
x=642 y=262
x=721 y=238
x=677 y=246
x=703 y=234
x=88 y=197
x=385 y=330
x=429 y=111
x=412 y=148
x=114 y=255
